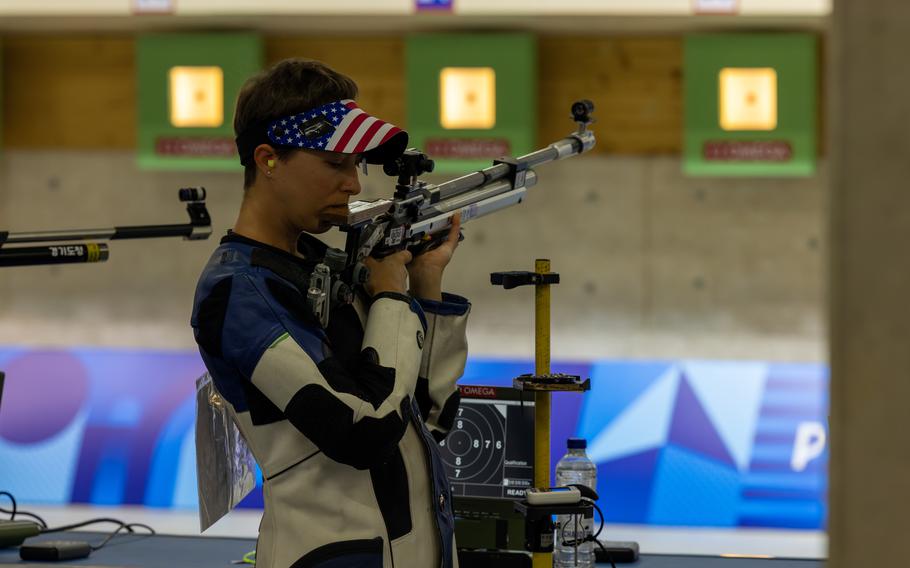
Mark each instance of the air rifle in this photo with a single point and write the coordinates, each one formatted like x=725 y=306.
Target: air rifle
x=420 y=214
x=63 y=252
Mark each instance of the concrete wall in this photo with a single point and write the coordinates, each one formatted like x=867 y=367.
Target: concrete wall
x=869 y=279
x=653 y=264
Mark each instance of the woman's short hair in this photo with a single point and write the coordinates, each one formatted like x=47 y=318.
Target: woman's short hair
x=289 y=87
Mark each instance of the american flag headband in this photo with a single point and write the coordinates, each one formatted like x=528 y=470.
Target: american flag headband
x=339 y=126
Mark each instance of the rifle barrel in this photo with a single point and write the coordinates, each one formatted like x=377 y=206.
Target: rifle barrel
x=494 y=197
x=456 y=202
x=568 y=146
x=54 y=254
x=115 y=233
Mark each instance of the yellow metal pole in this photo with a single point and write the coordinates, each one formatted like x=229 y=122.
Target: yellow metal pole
x=542 y=398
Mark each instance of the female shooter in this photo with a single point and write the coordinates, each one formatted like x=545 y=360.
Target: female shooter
x=343 y=419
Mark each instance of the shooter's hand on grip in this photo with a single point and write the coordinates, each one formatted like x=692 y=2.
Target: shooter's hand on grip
x=388 y=274
x=426 y=269
x=431 y=243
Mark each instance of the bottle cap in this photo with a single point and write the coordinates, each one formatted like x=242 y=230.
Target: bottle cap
x=576 y=443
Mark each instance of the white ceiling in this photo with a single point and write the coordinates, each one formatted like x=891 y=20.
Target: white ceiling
x=391 y=16
x=380 y=24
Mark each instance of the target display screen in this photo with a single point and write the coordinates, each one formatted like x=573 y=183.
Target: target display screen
x=490 y=450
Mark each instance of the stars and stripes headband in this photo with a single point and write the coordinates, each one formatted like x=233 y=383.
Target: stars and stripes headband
x=340 y=126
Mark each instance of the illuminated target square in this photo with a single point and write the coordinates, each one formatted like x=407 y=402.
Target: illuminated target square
x=184 y=82
x=196 y=96
x=467 y=97
x=748 y=98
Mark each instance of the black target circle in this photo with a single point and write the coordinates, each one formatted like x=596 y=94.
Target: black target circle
x=474 y=450
x=459 y=442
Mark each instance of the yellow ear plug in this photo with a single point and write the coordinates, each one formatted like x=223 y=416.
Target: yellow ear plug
x=271 y=163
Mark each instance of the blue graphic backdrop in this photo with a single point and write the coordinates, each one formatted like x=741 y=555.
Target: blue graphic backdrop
x=698 y=443
x=433 y=5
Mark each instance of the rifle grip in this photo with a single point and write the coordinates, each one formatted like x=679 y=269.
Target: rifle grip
x=431 y=243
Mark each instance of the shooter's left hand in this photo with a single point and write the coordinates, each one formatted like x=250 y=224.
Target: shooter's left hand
x=425 y=271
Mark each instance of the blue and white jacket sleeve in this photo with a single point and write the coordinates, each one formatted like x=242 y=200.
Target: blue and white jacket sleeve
x=445 y=352
x=353 y=411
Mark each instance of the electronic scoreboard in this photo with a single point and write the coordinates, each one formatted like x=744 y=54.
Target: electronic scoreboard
x=489 y=459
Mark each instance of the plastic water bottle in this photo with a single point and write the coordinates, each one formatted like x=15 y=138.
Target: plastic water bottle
x=574 y=468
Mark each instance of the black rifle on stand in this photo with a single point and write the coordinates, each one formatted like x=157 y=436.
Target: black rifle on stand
x=63 y=251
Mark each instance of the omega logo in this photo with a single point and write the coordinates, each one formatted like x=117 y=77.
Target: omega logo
x=485 y=392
